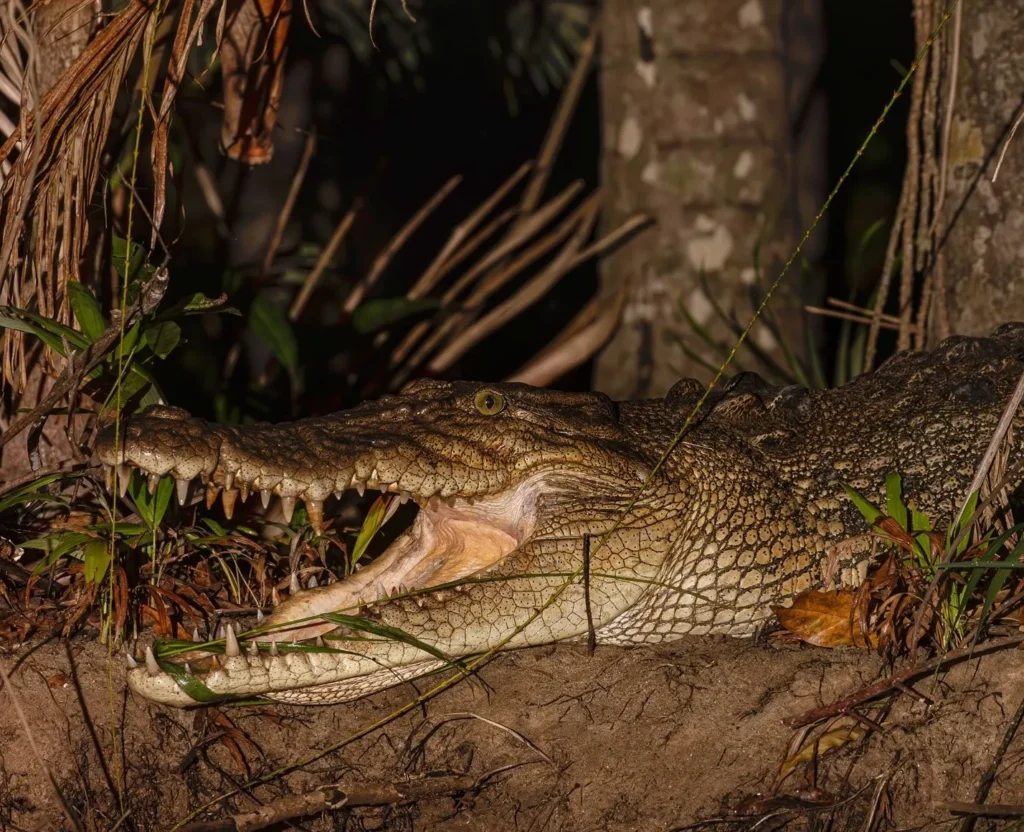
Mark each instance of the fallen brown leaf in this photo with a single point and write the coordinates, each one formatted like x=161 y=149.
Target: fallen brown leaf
x=824 y=619
x=836 y=738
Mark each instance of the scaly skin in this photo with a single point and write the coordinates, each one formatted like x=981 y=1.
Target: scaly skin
x=743 y=515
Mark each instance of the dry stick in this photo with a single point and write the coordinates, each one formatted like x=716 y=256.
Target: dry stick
x=990 y=776
x=323 y=261
x=939 y=295
x=480 y=294
x=16 y=703
x=591 y=632
x=860 y=310
x=396 y=242
x=848 y=316
x=992 y=810
x=289 y=205
x=429 y=279
x=327 y=798
x=980 y=475
x=560 y=124
x=913 y=178
x=87 y=360
x=528 y=294
x=567 y=353
x=883 y=686
x=886 y=282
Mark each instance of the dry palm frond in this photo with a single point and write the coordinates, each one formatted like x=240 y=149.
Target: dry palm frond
x=44 y=199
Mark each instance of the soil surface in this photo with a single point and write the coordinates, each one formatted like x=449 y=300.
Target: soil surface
x=635 y=739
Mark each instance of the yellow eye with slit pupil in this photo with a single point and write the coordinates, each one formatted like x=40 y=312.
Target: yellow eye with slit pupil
x=489 y=402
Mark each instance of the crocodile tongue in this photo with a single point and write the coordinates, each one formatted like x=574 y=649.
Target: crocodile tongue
x=446 y=543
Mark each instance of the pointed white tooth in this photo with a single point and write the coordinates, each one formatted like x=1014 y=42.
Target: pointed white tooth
x=337 y=495
x=383 y=487
x=231 y=648
x=312 y=583
x=243 y=491
x=288 y=507
x=229 y=480
x=152 y=481
x=294 y=587
x=152 y=666
x=222 y=632
x=273 y=648
x=259 y=616
x=183 y=488
x=373 y=474
x=124 y=476
x=360 y=488
x=195 y=634
x=108 y=477
x=265 y=496
x=188 y=669
x=405 y=497
x=132 y=664
x=254 y=651
x=419 y=601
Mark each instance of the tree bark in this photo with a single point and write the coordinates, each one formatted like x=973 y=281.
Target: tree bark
x=711 y=126
x=983 y=249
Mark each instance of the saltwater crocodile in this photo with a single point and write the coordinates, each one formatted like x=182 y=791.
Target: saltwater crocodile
x=516 y=483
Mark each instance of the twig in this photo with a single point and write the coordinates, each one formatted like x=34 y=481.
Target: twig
x=16 y=704
x=883 y=287
x=323 y=261
x=396 y=242
x=591 y=633
x=992 y=810
x=560 y=124
x=336 y=797
x=87 y=360
x=990 y=775
x=883 y=322
x=289 y=204
x=884 y=686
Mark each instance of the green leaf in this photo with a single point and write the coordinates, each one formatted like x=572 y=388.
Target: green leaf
x=129 y=259
x=28 y=493
x=97 y=559
x=894 y=506
x=198 y=304
x=163 y=337
x=152 y=507
x=55 y=546
x=376 y=517
x=377 y=314
x=868 y=509
x=87 y=311
x=270 y=324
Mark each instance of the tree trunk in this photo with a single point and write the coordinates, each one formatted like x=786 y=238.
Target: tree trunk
x=983 y=251
x=712 y=127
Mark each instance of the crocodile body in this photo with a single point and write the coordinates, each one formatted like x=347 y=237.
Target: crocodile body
x=514 y=482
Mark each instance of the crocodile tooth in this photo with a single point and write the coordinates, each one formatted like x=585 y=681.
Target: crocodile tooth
x=243 y=491
x=132 y=664
x=315 y=510
x=231 y=643
x=254 y=650
x=312 y=583
x=124 y=476
x=337 y=495
x=404 y=497
x=419 y=601
x=259 y=616
x=108 y=477
x=273 y=648
x=221 y=632
x=211 y=495
x=288 y=507
x=293 y=586
x=195 y=634
x=229 y=496
x=373 y=474
x=182 y=487
x=360 y=488
x=275 y=596
x=152 y=481
x=265 y=494
x=188 y=669
x=152 y=666
x=229 y=480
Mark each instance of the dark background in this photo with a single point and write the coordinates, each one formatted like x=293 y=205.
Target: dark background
x=454 y=94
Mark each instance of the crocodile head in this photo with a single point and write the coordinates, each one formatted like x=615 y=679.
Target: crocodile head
x=498 y=472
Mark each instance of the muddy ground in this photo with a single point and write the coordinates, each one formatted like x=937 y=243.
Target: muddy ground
x=638 y=739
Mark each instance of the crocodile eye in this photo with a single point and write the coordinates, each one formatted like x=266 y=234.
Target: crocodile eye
x=489 y=402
